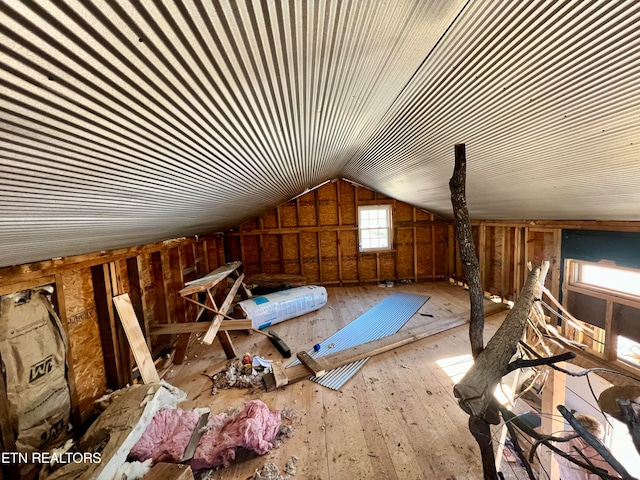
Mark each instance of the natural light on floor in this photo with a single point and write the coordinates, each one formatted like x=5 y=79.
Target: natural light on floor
x=456 y=367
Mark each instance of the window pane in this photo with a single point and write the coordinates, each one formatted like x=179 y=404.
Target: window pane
x=374 y=224
x=628 y=350
x=616 y=279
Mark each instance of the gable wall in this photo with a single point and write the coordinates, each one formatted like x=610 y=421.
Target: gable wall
x=316 y=236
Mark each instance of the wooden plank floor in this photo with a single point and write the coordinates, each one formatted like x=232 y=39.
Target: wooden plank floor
x=396 y=419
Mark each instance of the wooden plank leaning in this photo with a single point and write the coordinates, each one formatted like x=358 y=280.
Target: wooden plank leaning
x=136 y=340
x=224 y=309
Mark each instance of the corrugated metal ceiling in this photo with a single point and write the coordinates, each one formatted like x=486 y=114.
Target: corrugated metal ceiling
x=124 y=123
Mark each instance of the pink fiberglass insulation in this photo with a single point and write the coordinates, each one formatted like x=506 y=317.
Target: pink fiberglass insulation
x=167 y=436
x=254 y=428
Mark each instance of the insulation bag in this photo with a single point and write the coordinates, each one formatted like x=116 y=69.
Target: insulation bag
x=32 y=350
x=277 y=307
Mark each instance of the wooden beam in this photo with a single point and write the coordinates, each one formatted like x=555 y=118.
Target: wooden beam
x=279 y=375
x=552 y=395
x=210 y=280
x=26 y=285
x=107 y=327
x=310 y=229
x=517 y=262
x=423 y=223
x=618 y=226
x=227 y=344
x=504 y=267
x=315 y=366
x=135 y=290
x=319 y=254
x=137 y=342
x=198 y=327
x=610 y=335
x=59 y=303
x=217 y=320
x=415 y=245
x=30 y=271
x=115 y=278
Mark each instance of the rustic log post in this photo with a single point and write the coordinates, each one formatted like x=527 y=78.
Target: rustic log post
x=468 y=257
x=478 y=425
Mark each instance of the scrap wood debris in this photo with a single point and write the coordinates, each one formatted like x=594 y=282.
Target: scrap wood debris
x=234 y=376
x=270 y=471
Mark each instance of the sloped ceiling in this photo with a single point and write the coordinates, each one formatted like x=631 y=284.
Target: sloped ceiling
x=129 y=122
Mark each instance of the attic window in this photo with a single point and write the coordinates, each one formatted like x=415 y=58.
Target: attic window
x=374 y=227
x=606 y=300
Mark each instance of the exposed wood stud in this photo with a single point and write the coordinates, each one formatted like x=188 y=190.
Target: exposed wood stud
x=610 y=335
x=243 y=257
x=319 y=255
x=556 y=268
x=504 y=266
x=59 y=303
x=107 y=326
x=553 y=395
x=415 y=246
x=135 y=292
x=433 y=250
x=227 y=344
x=482 y=255
x=161 y=312
x=261 y=251
x=205 y=252
x=518 y=262
x=340 y=273
x=339 y=202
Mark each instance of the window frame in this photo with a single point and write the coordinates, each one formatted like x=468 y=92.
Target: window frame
x=389 y=227
x=607 y=336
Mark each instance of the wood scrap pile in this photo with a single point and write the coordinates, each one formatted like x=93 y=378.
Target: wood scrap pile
x=234 y=376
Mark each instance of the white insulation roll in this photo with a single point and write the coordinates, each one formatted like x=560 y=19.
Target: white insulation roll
x=277 y=307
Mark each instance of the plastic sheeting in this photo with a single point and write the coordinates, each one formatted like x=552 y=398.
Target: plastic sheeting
x=267 y=310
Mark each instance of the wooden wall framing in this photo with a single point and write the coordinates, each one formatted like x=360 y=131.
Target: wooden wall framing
x=504 y=249
x=84 y=285
x=316 y=235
